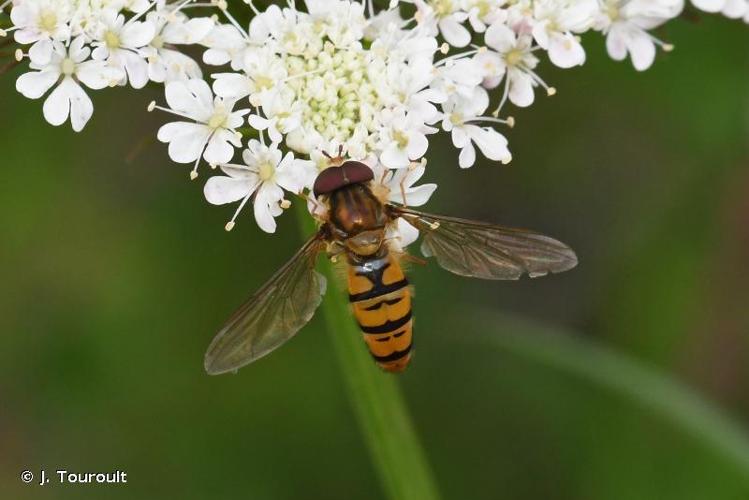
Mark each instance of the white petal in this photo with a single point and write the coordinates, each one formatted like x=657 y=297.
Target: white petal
x=178 y=96
x=137 y=34
x=459 y=137
x=521 y=89
x=81 y=107
x=25 y=36
x=294 y=175
x=186 y=140
x=565 y=51
x=35 y=84
x=231 y=85
x=97 y=74
x=467 y=156
x=417 y=145
x=77 y=51
x=394 y=157
x=238 y=171
x=100 y=53
x=709 y=5
x=41 y=52
x=405 y=233
x=454 y=33
x=216 y=57
x=491 y=143
x=202 y=92
x=500 y=37
x=23 y=14
x=57 y=106
x=136 y=68
x=192 y=98
x=616 y=45
x=266 y=204
x=642 y=50
x=420 y=195
x=258 y=122
x=68 y=99
x=541 y=34
x=190 y=32
x=735 y=8
x=219 y=149
x=157 y=71
x=219 y=189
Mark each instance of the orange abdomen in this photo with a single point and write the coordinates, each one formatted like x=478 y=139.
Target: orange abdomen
x=381 y=301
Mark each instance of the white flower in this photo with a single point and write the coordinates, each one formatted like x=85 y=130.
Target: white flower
x=382 y=23
x=40 y=23
x=514 y=60
x=461 y=114
x=400 y=184
x=483 y=13
x=405 y=138
x=447 y=17
x=625 y=23
x=67 y=67
x=342 y=21
x=555 y=24
x=408 y=87
x=212 y=133
x=226 y=44
x=165 y=62
x=41 y=20
x=459 y=76
x=264 y=177
x=284 y=115
x=120 y=43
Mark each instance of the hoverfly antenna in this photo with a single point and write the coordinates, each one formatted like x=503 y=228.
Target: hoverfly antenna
x=335 y=161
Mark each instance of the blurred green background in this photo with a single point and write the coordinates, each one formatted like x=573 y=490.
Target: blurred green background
x=623 y=379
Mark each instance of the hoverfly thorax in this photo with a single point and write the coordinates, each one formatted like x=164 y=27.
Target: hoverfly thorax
x=356 y=216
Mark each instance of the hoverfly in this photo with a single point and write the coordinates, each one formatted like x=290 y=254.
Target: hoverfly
x=355 y=225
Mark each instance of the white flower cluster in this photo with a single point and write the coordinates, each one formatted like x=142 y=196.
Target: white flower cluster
x=300 y=83
x=100 y=43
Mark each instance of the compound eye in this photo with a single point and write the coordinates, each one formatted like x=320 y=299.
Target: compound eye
x=333 y=178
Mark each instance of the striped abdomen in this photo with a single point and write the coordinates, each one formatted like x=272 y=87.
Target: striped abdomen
x=381 y=300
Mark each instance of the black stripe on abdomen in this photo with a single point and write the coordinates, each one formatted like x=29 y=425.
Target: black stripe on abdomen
x=388 y=326
x=378 y=290
x=393 y=356
x=390 y=302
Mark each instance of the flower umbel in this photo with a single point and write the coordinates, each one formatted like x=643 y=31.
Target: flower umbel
x=307 y=78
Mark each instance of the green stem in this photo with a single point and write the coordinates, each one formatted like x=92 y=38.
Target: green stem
x=383 y=418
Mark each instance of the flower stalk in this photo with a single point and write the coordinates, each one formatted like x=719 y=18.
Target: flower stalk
x=383 y=418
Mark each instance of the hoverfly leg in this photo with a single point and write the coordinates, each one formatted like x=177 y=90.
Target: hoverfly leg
x=318 y=209
x=335 y=249
x=403 y=192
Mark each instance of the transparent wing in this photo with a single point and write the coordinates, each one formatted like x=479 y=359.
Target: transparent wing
x=488 y=251
x=272 y=316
